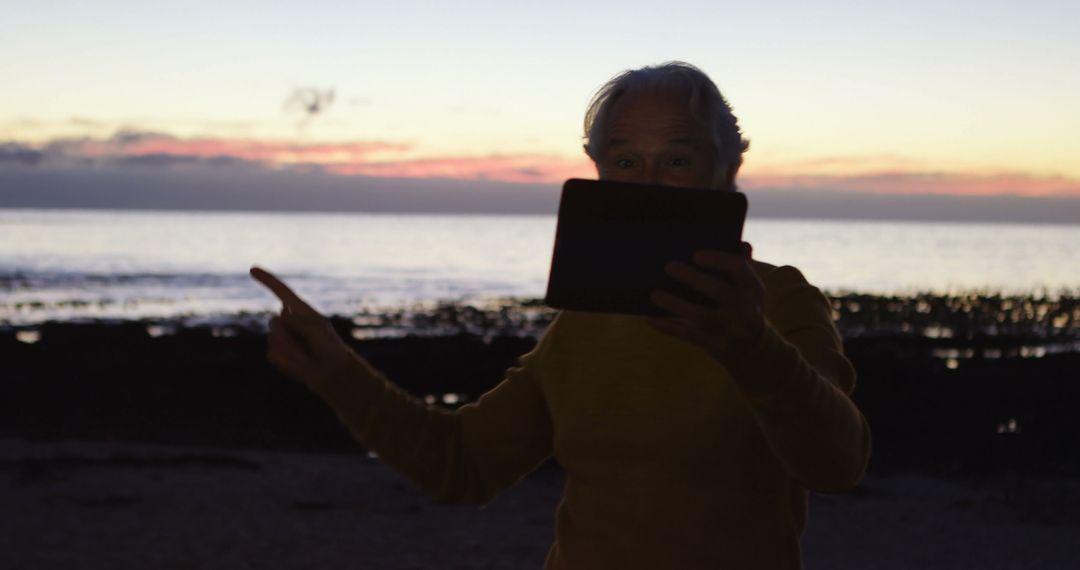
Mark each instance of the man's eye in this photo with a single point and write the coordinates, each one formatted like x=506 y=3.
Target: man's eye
x=624 y=162
x=678 y=161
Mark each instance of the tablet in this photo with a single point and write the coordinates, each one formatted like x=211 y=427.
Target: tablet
x=613 y=239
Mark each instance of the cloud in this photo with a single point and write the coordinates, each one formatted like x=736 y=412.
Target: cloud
x=196 y=185
x=154 y=183
x=395 y=159
x=86 y=123
x=831 y=204
x=899 y=174
x=937 y=183
x=21 y=124
x=270 y=152
x=146 y=169
x=15 y=153
x=502 y=167
x=181 y=160
x=144 y=148
x=131 y=147
x=843 y=165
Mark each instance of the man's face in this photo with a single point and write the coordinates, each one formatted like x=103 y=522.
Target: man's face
x=652 y=137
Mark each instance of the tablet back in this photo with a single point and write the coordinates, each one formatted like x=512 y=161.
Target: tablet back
x=613 y=240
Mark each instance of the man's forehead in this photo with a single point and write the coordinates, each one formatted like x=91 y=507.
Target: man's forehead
x=665 y=112
x=687 y=141
x=673 y=100
x=670 y=130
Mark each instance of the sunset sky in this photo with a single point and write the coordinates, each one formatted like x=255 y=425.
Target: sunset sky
x=915 y=97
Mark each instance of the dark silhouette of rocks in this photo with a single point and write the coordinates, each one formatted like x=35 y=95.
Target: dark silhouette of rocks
x=964 y=384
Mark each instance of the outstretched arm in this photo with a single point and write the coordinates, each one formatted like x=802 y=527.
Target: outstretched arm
x=464 y=456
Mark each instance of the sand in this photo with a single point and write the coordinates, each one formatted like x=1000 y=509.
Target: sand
x=117 y=506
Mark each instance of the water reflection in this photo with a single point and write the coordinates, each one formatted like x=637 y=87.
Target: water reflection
x=1011 y=426
x=28 y=336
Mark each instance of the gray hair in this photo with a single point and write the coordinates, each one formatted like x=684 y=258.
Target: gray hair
x=705 y=100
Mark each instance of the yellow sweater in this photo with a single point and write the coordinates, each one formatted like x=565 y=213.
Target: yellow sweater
x=671 y=459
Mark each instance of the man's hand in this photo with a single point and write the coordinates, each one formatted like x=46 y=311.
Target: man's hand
x=735 y=318
x=302 y=343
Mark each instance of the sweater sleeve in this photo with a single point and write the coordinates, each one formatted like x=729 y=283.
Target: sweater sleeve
x=464 y=456
x=798 y=382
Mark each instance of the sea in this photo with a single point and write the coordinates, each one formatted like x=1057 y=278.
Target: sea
x=88 y=265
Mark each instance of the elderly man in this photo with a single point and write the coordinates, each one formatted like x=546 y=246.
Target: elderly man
x=689 y=441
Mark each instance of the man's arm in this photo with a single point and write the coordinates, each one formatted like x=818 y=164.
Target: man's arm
x=774 y=334
x=463 y=456
x=798 y=382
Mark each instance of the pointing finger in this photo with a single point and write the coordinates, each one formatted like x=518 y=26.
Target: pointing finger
x=291 y=300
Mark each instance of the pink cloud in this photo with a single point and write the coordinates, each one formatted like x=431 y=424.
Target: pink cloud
x=138 y=143
x=846 y=165
x=505 y=168
x=274 y=152
x=367 y=158
x=885 y=174
x=898 y=182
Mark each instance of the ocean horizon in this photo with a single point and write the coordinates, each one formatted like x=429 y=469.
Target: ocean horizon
x=78 y=264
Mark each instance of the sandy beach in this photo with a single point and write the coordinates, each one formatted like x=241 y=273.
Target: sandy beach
x=143 y=445
x=116 y=506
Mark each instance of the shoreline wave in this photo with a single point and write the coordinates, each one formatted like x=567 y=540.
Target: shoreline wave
x=991 y=322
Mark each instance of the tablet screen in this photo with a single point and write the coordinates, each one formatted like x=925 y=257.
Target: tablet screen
x=613 y=240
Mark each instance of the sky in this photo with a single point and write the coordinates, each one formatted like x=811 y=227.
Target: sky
x=916 y=98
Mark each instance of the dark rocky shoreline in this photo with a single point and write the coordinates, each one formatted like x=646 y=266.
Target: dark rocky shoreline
x=959 y=385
